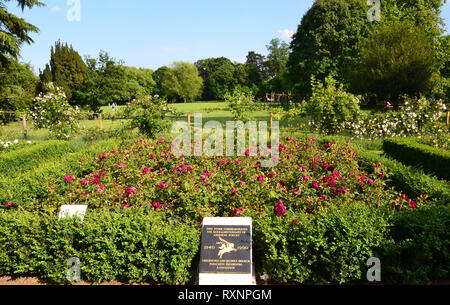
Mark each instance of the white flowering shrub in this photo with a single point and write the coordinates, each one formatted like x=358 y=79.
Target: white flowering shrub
x=52 y=111
x=415 y=118
x=8 y=145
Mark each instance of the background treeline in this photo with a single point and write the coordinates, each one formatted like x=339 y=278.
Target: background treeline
x=405 y=53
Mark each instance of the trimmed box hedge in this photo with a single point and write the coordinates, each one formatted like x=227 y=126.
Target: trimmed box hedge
x=18 y=161
x=432 y=160
x=133 y=245
x=412 y=181
x=409 y=179
x=33 y=185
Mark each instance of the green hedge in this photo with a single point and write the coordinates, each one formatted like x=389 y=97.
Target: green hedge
x=15 y=162
x=433 y=160
x=412 y=181
x=33 y=186
x=331 y=247
x=409 y=179
x=419 y=250
x=127 y=246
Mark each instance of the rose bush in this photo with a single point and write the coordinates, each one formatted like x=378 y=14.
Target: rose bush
x=309 y=176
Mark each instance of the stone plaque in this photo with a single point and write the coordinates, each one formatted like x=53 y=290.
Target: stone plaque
x=226 y=251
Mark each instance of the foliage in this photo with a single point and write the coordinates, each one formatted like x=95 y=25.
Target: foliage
x=27 y=157
x=412 y=181
x=417 y=117
x=419 y=249
x=103 y=82
x=32 y=187
x=335 y=216
x=439 y=140
x=330 y=247
x=148 y=175
x=149 y=115
x=326 y=42
x=330 y=105
x=67 y=69
x=432 y=160
x=182 y=81
x=52 y=111
x=257 y=69
x=395 y=59
x=15 y=30
x=130 y=246
x=241 y=104
x=137 y=82
x=17 y=86
x=9 y=146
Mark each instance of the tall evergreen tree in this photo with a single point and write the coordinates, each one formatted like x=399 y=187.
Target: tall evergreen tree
x=15 y=31
x=67 y=68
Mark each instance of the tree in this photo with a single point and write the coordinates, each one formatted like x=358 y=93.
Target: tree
x=217 y=75
x=326 y=41
x=158 y=77
x=67 y=68
x=277 y=58
x=137 y=82
x=17 y=86
x=15 y=31
x=103 y=82
x=396 y=59
x=190 y=83
x=257 y=71
x=170 y=87
x=276 y=64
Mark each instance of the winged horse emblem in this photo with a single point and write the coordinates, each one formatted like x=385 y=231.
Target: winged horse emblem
x=225 y=247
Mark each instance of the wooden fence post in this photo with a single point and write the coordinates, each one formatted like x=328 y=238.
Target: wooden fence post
x=189 y=119
x=271 y=121
x=24 y=123
x=100 y=117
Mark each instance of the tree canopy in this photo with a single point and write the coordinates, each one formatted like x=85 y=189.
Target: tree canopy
x=17 y=86
x=326 y=41
x=66 y=70
x=396 y=59
x=181 y=81
x=15 y=31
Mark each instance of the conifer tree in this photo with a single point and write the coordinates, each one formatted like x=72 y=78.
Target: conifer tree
x=14 y=31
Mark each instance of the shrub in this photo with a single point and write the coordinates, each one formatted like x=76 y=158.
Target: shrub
x=419 y=249
x=52 y=111
x=149 y=115
x=331 y=106
x=308 y=175
x=241 y=104
x=19 y=161
x=7 y=146
x=331 y=246
x=416 y=118
x=406 y=150
x=412 y=181
x=130 y=246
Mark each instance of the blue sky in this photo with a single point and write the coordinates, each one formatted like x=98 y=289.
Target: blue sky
x=150 y=33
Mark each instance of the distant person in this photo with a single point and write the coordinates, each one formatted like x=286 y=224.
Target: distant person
x=114 y=107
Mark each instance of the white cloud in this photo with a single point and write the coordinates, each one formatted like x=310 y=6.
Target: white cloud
x=170 y=48
x=55 y=9
x=287 y=34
